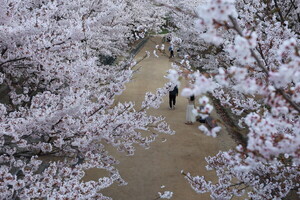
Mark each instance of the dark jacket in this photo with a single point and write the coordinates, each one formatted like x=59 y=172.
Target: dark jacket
x=174 y=91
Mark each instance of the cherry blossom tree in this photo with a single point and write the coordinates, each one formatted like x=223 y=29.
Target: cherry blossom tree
x=57 y=110
x=246 y=55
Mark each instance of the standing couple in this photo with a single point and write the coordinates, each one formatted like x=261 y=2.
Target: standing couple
x=190 y=116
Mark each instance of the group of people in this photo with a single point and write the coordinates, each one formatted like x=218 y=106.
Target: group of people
x=190 y=116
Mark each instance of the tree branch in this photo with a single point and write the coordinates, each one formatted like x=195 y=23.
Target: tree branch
x=279 y=12
x=288 y=99
x=13 y=60
x=293 y=3
x=289 y=10
x=261 y=65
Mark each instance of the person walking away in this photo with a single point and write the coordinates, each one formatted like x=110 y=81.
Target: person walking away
x=171 y=50
x=190 y=117
x=172 y=97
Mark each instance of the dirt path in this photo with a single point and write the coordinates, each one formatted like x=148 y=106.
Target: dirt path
x=148 y=170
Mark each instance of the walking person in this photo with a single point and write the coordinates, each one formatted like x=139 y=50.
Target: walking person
x=172 y=97
x=190 y=117
x=171 y=50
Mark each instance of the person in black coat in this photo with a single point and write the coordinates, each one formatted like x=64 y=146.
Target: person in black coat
x=172 y=97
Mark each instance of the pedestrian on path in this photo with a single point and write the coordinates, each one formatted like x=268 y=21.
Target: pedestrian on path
x=171 y=50
x=190 y=117
x=172 y=97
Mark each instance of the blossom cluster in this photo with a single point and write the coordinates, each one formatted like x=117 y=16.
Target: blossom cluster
x=58 y=108
x=246 y=55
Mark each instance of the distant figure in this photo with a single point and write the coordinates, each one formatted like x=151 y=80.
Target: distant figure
x=169 y=38
x=179 y=52
x=171 y=50
x=172 y=97
x=190 y=117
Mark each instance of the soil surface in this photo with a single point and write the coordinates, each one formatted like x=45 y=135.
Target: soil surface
x=158 y=169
